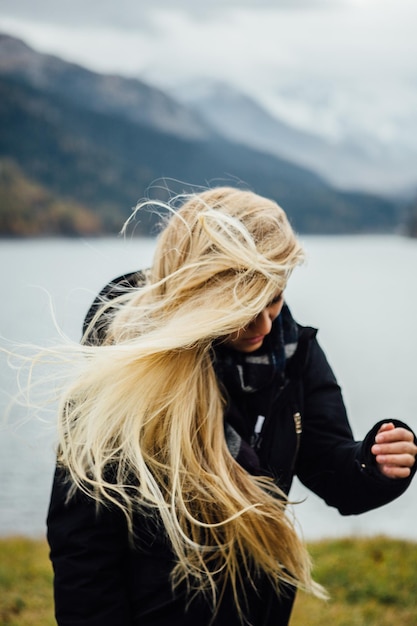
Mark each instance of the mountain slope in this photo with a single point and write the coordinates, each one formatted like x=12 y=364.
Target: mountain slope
x=107 y=161
x=243 y=119
x=128 y=98
x=351 y=162
x=27 y=209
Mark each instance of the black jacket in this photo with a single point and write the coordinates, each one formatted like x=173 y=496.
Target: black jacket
x=102 y=580
x=307 y=433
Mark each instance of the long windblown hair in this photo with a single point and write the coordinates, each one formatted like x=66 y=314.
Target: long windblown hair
x=142 y=425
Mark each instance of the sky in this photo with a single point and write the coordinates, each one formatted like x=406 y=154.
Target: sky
x=342 y=67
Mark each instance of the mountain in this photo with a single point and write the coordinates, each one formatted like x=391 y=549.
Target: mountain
x=99 y=153
x=30 y=210
x=360 y=162
x=131 y=99
x=242 y=118
x=411 y=219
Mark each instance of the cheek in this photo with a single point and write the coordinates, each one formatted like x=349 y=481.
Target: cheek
x=275 y=309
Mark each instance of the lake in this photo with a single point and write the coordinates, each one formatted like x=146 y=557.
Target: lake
x=360 y=291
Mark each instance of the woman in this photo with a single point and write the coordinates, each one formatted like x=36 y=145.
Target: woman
x=199 y=400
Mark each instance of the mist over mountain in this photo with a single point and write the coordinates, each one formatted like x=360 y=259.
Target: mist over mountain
x=100 y=143
x=356 y=161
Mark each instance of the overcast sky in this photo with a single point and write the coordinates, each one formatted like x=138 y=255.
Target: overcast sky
x=340 y=65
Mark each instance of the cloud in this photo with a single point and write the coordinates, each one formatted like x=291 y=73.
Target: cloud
x=135 y=13
x=338 y=63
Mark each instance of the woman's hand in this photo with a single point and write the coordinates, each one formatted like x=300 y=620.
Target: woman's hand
x=394 y=450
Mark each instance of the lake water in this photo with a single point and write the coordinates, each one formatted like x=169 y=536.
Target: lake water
x=361 y=292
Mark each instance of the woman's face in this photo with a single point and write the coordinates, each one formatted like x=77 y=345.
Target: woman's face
x=251 y=337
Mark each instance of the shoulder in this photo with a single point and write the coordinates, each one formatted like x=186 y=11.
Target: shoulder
x=306 y=338
x=115 y=288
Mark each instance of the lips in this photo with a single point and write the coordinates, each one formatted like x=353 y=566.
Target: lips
x=256 y=339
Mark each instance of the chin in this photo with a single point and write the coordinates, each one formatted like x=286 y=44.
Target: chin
x=249 y=348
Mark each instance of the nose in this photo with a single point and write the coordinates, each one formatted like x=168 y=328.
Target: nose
x=262 y=323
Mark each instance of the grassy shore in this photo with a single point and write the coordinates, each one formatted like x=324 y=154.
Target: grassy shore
x=372 y=582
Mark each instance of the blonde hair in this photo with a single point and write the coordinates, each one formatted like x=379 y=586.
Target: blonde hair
x=147 y=403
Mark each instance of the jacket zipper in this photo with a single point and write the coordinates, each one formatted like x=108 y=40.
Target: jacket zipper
x=298 y=431
x=256 y=437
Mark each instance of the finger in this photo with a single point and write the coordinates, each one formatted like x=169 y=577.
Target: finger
x=395 y=434
x=398 y=460
x=391 y=471
x=396 y=447
x=386 y=426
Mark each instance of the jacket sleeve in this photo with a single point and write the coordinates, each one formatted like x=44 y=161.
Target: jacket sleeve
x=89 y=553
x=331 y=463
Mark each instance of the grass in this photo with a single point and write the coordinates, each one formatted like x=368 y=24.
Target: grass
x=372 y=582
x=25 y=583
